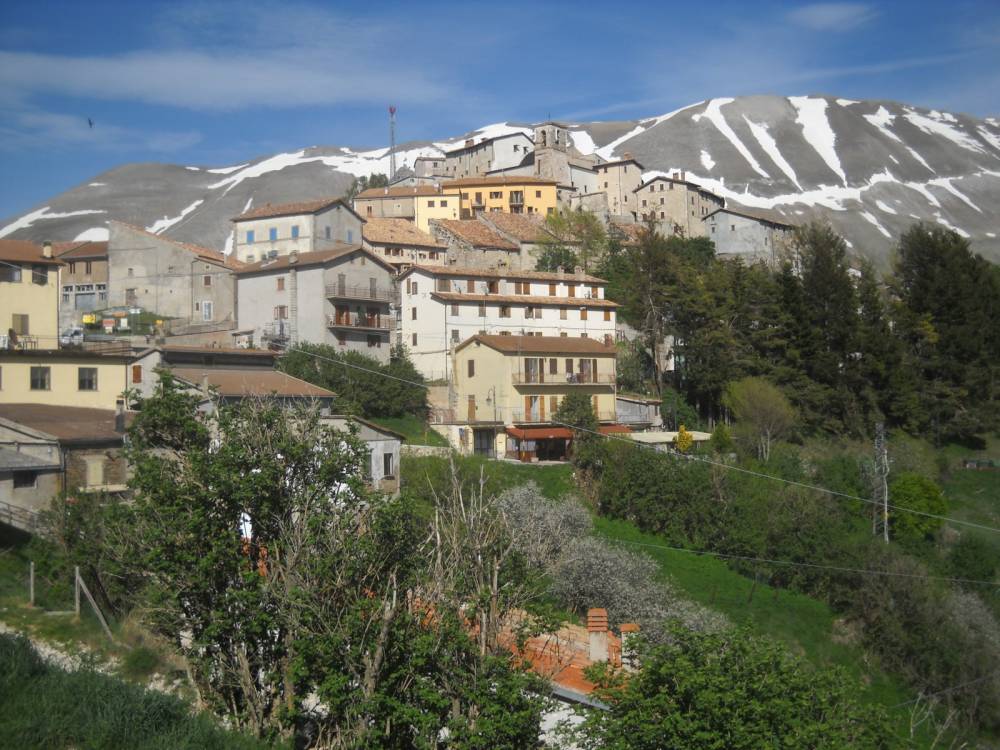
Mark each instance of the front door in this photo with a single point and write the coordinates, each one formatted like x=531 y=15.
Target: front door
x=483 y=442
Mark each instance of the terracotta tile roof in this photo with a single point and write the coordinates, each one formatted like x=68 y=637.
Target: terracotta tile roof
x=522 y=227
x=757 y=215
x=630 y=234
x=22 y=251
x=182 y=349
x=397 y=232
x=241 y=383
x=525 y=299
x=289 y=209
x=204 y=253
x=541 y=344
x=68 y=424
x=486 y=273
x=318 y=258
x=618 y=162
x=80 y=250
x=475 y=233
x=399 y=192
x=498 y=180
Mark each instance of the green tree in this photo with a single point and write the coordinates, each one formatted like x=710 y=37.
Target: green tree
x=360 y=184
x=728 y=691
x=577 y=411
x=762 y=411
x=575 y=238
x=917 y=492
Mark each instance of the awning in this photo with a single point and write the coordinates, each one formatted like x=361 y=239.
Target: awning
x=539 y=433
x=613 y=429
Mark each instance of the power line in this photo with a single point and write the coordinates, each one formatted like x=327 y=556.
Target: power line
x=952 y=689
x=356 y=367
x=792 y=482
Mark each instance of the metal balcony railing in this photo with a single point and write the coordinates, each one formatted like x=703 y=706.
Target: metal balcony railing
x=279 y=329
x=347 y=291
x=536 y=416
x=561 y=379
x=353 y=320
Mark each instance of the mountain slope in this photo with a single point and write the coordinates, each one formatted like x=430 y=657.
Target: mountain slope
x=871 y=168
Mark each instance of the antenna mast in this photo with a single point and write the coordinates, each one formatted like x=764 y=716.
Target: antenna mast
x=392 y=142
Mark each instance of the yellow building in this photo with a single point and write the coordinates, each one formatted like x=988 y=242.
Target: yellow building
x=29 y=295
x=63 y=377
x=514 y=194
x=434 y=206
x=507 y=389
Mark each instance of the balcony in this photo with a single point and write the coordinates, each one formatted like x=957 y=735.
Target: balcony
x=564 y=379
x=346 y=291
x=277 y=330
x=359 y=322
x=535 y=416
x=516 y=198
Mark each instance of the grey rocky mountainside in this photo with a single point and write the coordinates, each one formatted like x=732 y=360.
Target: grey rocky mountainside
x=872 y=168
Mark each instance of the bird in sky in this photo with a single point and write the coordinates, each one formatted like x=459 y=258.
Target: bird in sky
x=91 y=123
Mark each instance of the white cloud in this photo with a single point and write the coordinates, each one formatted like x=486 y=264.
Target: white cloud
x=832 y=16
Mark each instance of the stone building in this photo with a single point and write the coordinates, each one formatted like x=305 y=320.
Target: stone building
x=396 y=202
x=677 y=205
x=341 y=296
x=192 y=285
x=618 y=181
x=400 y=243
x=303 y=227
x=477 y=158
x=84 y=281
x=475 y=244
x=750 y=236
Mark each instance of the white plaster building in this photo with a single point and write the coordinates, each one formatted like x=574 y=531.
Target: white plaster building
x=440 y=307
x=305 y=227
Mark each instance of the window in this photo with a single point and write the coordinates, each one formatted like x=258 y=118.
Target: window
x=295 y=232
x=281 y=283
x=72 y=267
x=583 y=313
x=471 y=368
x=482 y=309
x=496 y=195
x=470 y=286
x=454 y=309
x=643 y=202
x=387 y=466
x=571 y=290
x=24 y=480
x=552 y=290
x=414 y=339
x=1 y=378
x=281 y=312
x=414 y=289
x=206 y=280
x=444 y=204
x=206 y=310
x=39 y=275
x=607 y=315
x=529 y=312
x=19 y=322
x=11 y=273
x=86 y=378
x=136 y=374
x=562 y=313
x=454 y=336
x=662 y=215
x=87 y=267
x=413 y=313
x=569 y=366
x=249 y=241
x=350 y=239
x=732 y=227
x=375 y=342
x=272 y=234
x=341 y=338
x=538 y=193
x=553 y=365
x=326 y=232
x=443 y=285
x=130 y=273
x=41 y=378
x=430 y=204
x=504 y=311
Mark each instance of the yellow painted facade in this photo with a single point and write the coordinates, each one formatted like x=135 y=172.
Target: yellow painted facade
x=63 y=379
x=508 y=195
x=27 y=297
x=427 y=207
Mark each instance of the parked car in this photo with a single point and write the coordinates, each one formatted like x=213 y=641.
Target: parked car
x=71 y=337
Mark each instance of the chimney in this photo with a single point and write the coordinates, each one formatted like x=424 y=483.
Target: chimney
x=293 y=258
x=626 y=156
x=46 y=249
x=469 y=141
x=559 y=271
x=578 y=272
x=204 y=383
x=597 y=627
x=120 y=416
x=683 y=174
x=630 y=633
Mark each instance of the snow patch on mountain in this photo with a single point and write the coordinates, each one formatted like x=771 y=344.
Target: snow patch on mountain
x=706 y=160
x=940 y=126
x=713 y=113
x=653 y=122
x=847 y=102
x=946 y=183
x=991 y=138
x=158 y=227
x=884 y=207
x=226 y=170
x=582 y=142
x=96 y=184
x=94 y=234
x=607 y=152
x=43 y=213
x=817 y=131
x=770 y=146
x=948 y=225
x=870 y=218
x=882 y=119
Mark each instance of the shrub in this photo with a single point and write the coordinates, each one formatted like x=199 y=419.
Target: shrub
x=919 y=493
x=973 y=558
x=543 y=530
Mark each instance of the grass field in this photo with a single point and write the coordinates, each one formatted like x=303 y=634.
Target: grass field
x=413 y=429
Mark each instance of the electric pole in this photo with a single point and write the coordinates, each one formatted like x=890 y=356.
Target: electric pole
x=392 y=142
x=880 y=485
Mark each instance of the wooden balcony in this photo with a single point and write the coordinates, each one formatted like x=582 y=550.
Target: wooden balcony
x=564 y=379
x=359 y=322
x=346 y=291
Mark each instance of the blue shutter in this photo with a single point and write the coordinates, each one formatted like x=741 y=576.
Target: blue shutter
x=295 y=232
x=273 y=234
x=250 y=237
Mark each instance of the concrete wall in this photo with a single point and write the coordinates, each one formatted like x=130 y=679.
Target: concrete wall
x=81 y=291
x=746 y=238
x=618 y=182
x=440 y=326
x=166 y=278
x=428 y=207
x=63 y=380
x=95 y=468
x=316 y=232
x=40 y=302
x=386 y=207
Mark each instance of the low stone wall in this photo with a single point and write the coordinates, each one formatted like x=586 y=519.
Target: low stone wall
x=424 y=450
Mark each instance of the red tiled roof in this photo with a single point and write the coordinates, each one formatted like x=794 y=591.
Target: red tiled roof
x=475 y=233
x=486 y=273
x=204 y=253
x=80 y=250
x=498 y=180
x=398 y=192
x=397 y=232
x=540 y=344
x=525 y=299
x=241 y=383
x=289 y=209
x=756 y=215
x=22 y=251
x=68 y=424
x=522 y=227
x=318 y=258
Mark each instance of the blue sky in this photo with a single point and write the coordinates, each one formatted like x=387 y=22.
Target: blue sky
x=218 y=83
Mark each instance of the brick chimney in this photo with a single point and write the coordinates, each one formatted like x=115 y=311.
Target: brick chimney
x=630 y=632
x=597 y=627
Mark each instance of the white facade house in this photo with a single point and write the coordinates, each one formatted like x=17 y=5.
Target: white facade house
x=440 y=307
x=305 y=227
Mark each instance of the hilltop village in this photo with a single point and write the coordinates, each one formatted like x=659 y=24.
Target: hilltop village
x=442 y=261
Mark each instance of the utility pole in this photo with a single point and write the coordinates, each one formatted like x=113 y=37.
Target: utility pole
x=880 y=485
x=392 y=142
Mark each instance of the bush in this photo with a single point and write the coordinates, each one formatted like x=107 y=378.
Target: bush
x=544 y=531
x=919 y=493
x=973 y=558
